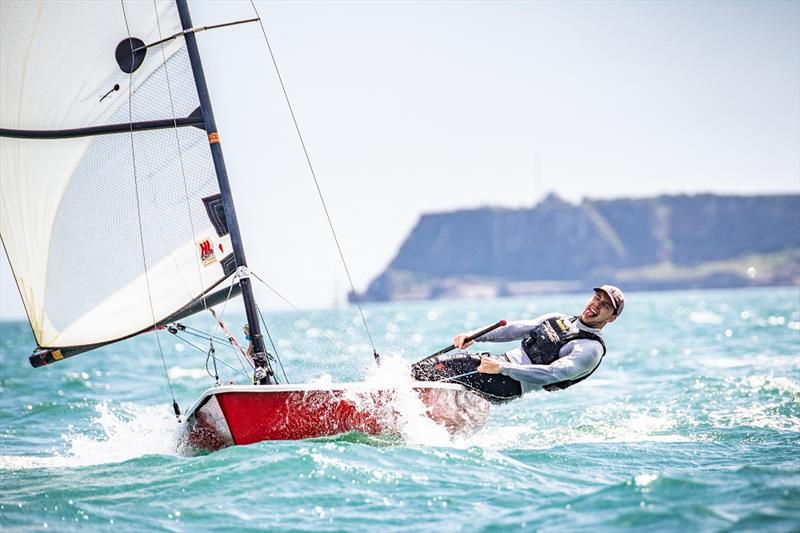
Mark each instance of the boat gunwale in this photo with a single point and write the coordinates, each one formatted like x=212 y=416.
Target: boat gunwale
x=358 y=386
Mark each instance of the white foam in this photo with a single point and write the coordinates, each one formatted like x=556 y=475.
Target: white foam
x=723 y=362
x=756 y=416
x=760 y=360
x=780 y=384
x=642 y=480
x=177 y=372
x=130 y=432
x=619 y=423
x=705 y=317
x=323 y=380
x=409 y=413
x=611 y=423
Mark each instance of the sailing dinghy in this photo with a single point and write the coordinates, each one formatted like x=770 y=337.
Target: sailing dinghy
x=118 y=218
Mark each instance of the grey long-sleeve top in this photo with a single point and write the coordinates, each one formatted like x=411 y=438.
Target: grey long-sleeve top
x=577 y=358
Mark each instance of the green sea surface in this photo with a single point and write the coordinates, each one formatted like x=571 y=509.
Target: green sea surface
x=691 y=423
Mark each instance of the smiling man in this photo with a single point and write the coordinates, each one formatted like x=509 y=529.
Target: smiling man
x=556 y=351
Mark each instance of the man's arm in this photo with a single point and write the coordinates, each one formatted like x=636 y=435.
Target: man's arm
x=585 y=356
x=512 y=331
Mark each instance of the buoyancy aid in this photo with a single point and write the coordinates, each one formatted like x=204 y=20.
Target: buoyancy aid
x=544 y=342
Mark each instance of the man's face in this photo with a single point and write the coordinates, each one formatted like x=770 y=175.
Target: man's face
x=598 y=311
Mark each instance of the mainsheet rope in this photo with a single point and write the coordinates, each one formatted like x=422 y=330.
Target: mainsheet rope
x=316 y=182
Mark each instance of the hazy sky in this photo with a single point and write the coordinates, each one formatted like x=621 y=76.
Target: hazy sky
x=414 y=107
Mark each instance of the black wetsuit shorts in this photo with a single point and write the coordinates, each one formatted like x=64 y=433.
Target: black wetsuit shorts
x=496 y=388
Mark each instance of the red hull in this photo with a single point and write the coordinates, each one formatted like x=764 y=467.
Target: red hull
x=246 y=414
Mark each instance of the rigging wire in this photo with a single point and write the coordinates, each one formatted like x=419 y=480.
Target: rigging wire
x=212 y=355
x=180 y=155
x=224 y=307
x=276 y=292
x=234 y=343
x=201 y=350
x=316 y=182
x=189 y=330
x=219 y=323
x=141 y=230
x=231 y=338
x=231 y=341
x=274 y=348
x=187 y=341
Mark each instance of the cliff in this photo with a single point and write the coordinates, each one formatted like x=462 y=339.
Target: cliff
x=653 y=243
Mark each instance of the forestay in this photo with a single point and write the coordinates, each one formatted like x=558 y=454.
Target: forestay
x=111 y=232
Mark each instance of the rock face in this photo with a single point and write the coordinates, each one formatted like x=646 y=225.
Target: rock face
x=653 y=243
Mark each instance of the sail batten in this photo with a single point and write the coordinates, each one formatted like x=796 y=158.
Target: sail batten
x=89 y=131
x=103 y=220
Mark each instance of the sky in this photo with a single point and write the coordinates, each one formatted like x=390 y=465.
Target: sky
x=409 y=108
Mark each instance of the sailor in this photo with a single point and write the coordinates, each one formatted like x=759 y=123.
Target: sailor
x=556 y=351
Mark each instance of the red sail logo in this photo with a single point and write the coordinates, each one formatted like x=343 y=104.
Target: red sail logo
x=207 y=253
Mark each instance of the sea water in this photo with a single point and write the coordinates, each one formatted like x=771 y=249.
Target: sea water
x=691 y=423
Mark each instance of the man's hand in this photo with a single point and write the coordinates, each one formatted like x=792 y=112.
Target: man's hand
x=489 y=366
x=461 y=342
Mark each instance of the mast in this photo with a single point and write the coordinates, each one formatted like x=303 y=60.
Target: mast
x=259 y=352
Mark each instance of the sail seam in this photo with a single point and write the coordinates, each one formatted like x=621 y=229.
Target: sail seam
x=25 y=64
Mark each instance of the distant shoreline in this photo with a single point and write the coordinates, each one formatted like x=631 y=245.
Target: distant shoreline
x=660 y=243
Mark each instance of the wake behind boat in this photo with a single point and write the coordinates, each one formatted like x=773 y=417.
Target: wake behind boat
x=118 y=217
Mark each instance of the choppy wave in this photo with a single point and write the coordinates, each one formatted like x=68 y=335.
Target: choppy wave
x=118 y=435
x=692 y=423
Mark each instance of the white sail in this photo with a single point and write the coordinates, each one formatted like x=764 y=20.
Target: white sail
x=106 y=234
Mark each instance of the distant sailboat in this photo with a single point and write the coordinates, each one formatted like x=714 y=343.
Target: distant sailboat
x=117 y=215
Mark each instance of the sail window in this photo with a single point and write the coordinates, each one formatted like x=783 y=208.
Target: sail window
x=216 y=214
x=229 y=265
